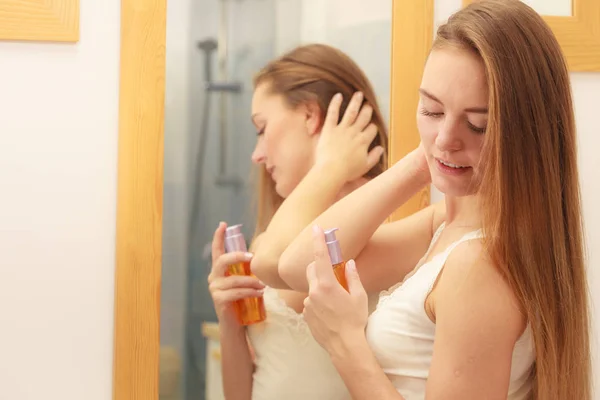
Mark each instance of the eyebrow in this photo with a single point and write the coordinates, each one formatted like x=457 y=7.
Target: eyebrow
x=473 y=110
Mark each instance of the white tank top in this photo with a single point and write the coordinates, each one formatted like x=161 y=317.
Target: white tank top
x=401 y=334
x=289 y=363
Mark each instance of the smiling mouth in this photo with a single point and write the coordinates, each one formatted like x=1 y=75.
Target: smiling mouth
x=450 y=165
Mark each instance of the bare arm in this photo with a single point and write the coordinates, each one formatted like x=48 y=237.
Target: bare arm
x=378 y=248
x=342 y=155
x=237 y=365
x=478 y=323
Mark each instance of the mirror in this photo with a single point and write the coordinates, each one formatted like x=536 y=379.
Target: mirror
x=214 y=48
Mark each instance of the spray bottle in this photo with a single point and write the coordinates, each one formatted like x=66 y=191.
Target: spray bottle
x=335 y=255
x=249 y=310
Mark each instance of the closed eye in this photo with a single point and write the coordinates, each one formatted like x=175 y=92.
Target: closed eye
x=430 y=114
x=476 y=129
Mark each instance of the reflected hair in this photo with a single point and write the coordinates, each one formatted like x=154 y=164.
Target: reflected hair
x=314 y=73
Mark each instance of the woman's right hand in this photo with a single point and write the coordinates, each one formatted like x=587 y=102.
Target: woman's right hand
x=224 y=289
x=344 y=147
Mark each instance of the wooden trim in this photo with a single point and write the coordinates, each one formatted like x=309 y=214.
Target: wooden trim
x=46 y=21
x=412 y=36
x=139 y=200
x=578 y=35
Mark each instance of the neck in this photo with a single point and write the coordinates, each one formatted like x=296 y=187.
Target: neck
x=463 y=211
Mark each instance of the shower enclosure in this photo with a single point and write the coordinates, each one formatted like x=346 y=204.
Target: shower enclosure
x=214 y=47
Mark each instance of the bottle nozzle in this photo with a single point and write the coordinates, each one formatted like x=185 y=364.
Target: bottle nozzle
x=335 y=251
x=234 y=239
x=330 y=235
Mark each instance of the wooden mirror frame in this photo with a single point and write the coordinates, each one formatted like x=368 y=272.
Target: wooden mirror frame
x=48 y=21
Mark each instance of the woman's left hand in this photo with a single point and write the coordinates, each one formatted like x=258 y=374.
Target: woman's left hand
x=336 y=318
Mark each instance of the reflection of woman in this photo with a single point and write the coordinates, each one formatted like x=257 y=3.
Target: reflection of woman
x=496 y=307
x=310 y=162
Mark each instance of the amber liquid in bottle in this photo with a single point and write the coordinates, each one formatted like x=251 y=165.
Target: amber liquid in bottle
x=252 y=309
x=339 y=271
x=335 y=255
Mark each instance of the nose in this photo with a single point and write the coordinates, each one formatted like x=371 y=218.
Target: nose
x=448 y=138
x=259 y=155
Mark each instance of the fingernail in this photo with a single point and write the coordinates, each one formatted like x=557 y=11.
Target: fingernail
x=338 y=96
x=359 y=95
x=248 y=256
x=351 y=265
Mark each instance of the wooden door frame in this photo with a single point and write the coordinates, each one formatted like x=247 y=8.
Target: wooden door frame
x=140 y=173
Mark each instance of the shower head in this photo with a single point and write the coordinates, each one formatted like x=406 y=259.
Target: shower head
x=207 y=45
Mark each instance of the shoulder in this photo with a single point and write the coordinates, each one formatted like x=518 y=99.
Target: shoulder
x=473 y=289
x=478 y=323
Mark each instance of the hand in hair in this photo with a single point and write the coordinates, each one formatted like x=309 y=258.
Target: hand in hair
x=344 y=148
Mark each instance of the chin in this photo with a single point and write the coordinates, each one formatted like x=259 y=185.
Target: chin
x=282 y=190
x=452 y=189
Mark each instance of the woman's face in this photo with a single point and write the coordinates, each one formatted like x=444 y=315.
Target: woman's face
x=452 y=119
x=286 y=138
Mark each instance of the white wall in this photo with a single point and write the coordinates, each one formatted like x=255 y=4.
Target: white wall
x=58 y=169
x=586 y=91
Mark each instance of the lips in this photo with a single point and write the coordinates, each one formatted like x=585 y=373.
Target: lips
x=270 y=170
x=451 y=165
x=450 y=168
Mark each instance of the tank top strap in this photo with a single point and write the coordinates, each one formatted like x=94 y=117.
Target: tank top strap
x=468 y=236
x=438 y=262
x=435 y=238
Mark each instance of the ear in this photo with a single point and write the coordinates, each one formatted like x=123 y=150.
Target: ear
x=314 y=118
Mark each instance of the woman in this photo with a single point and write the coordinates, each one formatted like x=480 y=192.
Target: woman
x=310 y=162
x=496 y=306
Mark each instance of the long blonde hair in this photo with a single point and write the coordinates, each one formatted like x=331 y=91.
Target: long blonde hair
x=530 y=186
x=314 y=73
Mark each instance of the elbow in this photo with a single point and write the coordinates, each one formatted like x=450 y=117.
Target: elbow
x=290 y=273
x=264 y=266
x=284 y=268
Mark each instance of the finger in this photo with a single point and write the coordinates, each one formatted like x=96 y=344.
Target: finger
x=218 y=242
x=311 y=276
x=236 y=282
x=322 y=262
x=364 y=117
x=333 y=111
x=374 y=156
x=355 y=286
x=227 y=296
x=369 y=133
x=352 y=109
x=222 y=264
